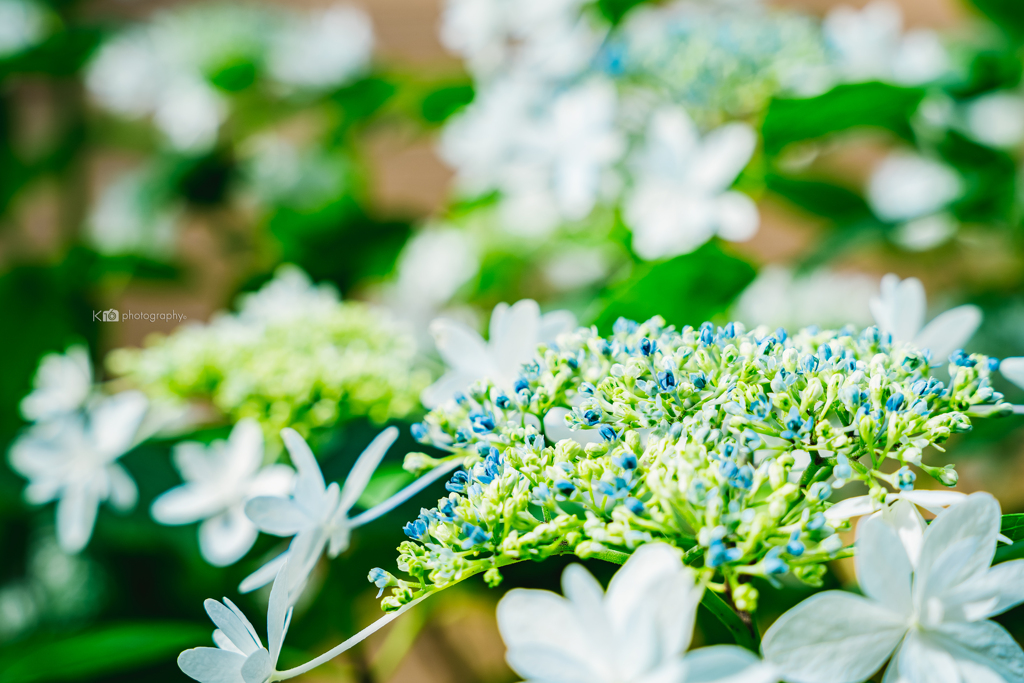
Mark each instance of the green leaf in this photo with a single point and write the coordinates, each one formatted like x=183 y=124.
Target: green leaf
x=101 y=651
x=875 y=105
x=822 y=199
x=445 y=101
x=1013 y=527
x=386 y=482
x=1008 y=14
x=615 y=10
x=686 y=290
x=745 y=636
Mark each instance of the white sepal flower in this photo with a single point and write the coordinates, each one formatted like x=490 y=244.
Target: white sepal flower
x=515 y=332
x=1013 y=370
x=73 y=461
x=932 y=618
x=61 y=385
x=638 y=631
x=317 y=514
x=240 y=656
x=906 y=186
x=681 y=195
x=900 y=310
x=219 y=480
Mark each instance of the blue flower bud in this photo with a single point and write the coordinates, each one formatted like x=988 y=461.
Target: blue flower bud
x=592 y=417
x=795 y=547
x=699 y=380
x=820 y=490
x=634 y=506
x=816 y=522
x=418 y=431
x=707 y=336
x=624 y=326
x=482 y=422
x=458 y=482
x=781 y=336
x=474 y=536
x=647 y=347
x=415 y=529
x=842 y=469
x=521 y=384
x=906 y=478
x=503 y=401
x=607 y=433
x=993 y=364
x=667 y=380
x=461 y=399
x=564 y=487
x=626 y=461
x=894 y=403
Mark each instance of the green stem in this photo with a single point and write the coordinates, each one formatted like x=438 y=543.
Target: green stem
x=743 y=633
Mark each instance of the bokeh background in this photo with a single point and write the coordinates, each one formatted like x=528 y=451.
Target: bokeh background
x=168 y=156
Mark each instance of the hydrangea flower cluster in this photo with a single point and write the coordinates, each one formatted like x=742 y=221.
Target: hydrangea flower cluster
x=293 y=356
x=722 y=442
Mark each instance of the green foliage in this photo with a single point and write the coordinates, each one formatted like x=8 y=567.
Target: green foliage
x=439 y=104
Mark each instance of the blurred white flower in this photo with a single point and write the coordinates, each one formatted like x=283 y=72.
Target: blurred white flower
x=240 y=656
x=869 y=44
x=680 y=198
x=638 y=631
x=189 y=112
x=515 y=332
x=907 y=186
x=900 y=309
x=219 y=479
x=996 y=119
x=322 y=50
x=778 y=297
x=317 y=514
x=73 y=460
x=22 y=25
x=129 y=218
x=289 y=296
x=61 y=385
x=922 y=234
x=433 y=265
x=1013 y=370
x=932 y=618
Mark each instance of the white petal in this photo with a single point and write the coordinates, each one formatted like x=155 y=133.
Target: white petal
x=272 y=480
x=226 y=538
x=727 y=664
x=234 y=625
x=544 y=638
x=276 y=515
x=460 y=347
x=277 y=616
x=309 y=485
x=922 y=661
x=988 y=594
x=949 y=331
x=186 y=504
x=908 y=524
x=115 y=421
x=245 y=446
x=257 y=667
x=982 y=645
x=587 y=600
x=959 y=544
x=366 y=465
x=123 y=492
x=444 y=389
x=211 y=665
x=514 y=340
x=738 y=219
x=723 y=153
x=934 y=501
x=833 y=637
x=224 y=643
x=883 y=568
x=1013 y=370
x=553 y=324
x=76 y=516
x=851 y=507
x=264 y=575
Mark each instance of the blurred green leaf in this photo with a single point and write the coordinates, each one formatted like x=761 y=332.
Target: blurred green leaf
x=387 y=481
x=822 y=199
x=445 y=101
x=875 y=105
x=365 y=97
x=101 y=651
x=686 y=290
x=615 y=10
x=989 y=177
x=1007 y=14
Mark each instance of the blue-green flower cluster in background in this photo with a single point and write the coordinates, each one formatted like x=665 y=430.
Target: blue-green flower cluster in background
x=723 y=442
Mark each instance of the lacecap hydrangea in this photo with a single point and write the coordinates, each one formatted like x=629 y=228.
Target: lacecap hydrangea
x=722 y=442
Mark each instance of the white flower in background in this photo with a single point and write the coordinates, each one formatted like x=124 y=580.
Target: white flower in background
x=433 y=265
x=1013 y=370
x=914 y=190
x=73 y=460
x=322 y=50
x=900 y=309
x=932 y=618
x=680 y=197
x=869 y=44
x=61 y=385
x=515 y=332
x=219 y=479
x=240 y=656
x=189 y=113
x=22 y=25
x=130 y=218
x=996 y=119
x=291 y=295
x=636 y=632
x=317 y=515
x=778 y=297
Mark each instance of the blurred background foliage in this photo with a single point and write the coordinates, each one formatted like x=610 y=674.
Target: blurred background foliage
x=163 y=156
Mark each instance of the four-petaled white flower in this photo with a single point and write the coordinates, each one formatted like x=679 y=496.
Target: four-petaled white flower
x=900 y=309
x=931 y=618
x=681 y=195
x=869 y=44
x=61 y=385
x=240 y=656
x=219 y=480
x=73 y=460
x=515 y=332
x=315 y=514
x=638 y=631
